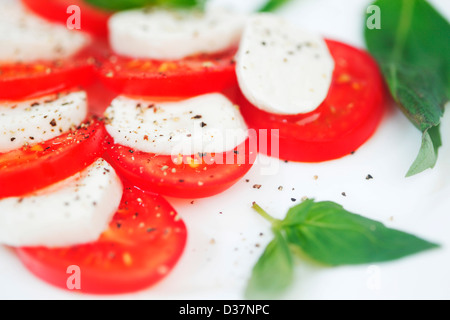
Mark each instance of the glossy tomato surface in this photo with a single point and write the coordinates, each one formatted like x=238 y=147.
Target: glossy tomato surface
x=346 y=119
x=182 y=176
x=31 y=168
x=26 y=80
x=92 y=20
x=143 y=243
x=188 y=77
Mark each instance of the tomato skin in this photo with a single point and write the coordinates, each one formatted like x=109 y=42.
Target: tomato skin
x=145 y=240
x=29 y=169
x=20 y=81
x=193 y=176
x=189 y=77
x=348 y=117
x=93 y=20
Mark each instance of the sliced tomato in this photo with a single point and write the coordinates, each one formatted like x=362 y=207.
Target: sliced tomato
x=182 y=176
x=346 y=119
x=143 y=243
x=93 y=20
x=188 y=77
x=26 y=80
x=34 y=167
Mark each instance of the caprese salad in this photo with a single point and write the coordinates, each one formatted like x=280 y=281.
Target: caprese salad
x=188 y=93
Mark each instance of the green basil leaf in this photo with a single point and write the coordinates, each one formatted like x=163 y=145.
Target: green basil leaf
x=273 y=272
x=329 y=234
x=427 y=157
x=412 y=48
x=273 y=5
x=119 y=5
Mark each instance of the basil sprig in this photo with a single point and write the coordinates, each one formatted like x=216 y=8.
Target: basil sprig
x=412 y=47
x=328 y=234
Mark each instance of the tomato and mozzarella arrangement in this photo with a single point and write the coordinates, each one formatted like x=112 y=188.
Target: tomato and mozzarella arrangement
x=165 y=53
x=174 y=110
x=46 y=140
x=189 y=149
x=324 y=98
x=73 y=211
x=142 y=244
x=38 y=57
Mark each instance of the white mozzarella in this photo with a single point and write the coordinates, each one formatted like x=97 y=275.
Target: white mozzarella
x=282 y=69
x=207 y=123
x=25 y=37
x=171 y=35
x=34 y=121
x=74 y=211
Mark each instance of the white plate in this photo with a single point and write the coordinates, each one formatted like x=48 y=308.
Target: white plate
x=225 y=233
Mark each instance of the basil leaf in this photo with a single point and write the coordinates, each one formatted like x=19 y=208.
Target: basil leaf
x=412 y=48
x=273 y=272
x=329 y=234
x=119 y=5
x=273 y=5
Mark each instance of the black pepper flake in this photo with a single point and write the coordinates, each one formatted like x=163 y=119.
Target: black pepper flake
x=344 y=194
x=12 y=139
x=203 y=124
x=35 y=104
x=236 y=152
x=369 y=177
x=263 y=43
x=257 y=186
x=53 y=123
x=181 y=180
x=118 y=225
x=293 y=199
x=197 y=117
x=131 y=151
x=149 y=230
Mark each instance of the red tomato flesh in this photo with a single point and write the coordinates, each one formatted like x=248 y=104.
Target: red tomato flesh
x=26 y=80
x=31 y=168
x=92 y=19
x=145 y=240
x=188 y=176
x=188 y=77
x=347 y=118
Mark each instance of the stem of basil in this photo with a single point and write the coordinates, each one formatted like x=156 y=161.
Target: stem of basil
x=265 y=215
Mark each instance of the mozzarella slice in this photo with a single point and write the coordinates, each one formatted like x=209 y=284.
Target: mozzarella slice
x=171 y=35
x=38 y=120
x=282 y=69
x=25 y=37
x=207 y=123
x=74 y=211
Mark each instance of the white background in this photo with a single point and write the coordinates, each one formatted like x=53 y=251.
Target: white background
x=224 y=232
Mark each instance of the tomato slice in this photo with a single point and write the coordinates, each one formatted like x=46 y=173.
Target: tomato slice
x=347 y=118
x=145 y=240
x=26 y=80
x=93 y=20
x=182 y=176
x=188 y=77
x=32 y=168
